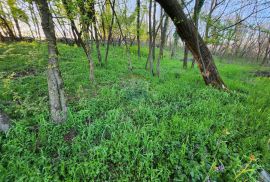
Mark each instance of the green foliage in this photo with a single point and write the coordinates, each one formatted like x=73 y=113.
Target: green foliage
x=132 y=127
x=16 y=11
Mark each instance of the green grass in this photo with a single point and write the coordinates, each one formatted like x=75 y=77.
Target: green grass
x=131 y=127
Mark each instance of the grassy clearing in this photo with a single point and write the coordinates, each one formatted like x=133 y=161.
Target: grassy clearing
x=132 y=127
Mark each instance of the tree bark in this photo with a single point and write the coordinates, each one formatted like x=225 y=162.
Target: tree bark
x=57 y=100
x=187 y=31
x=8 y=28
x=76 y=34
x=110 y=35
x=175 y=43
x=126 y=44
x=150 y=54
x=96 y=34
x=163 y=39
x=34 y=18
x=138 y=27
x=154 y=33
x=185 y=57
x=267 y=51
x=4 y=122
x=18 y=27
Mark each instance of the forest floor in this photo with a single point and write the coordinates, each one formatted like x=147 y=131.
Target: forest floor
x=131 y=126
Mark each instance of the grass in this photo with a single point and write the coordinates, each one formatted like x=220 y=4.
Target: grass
x=131 y=127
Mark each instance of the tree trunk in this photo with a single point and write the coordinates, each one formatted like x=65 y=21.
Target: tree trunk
x=126 y=44
x=197 y=9
x=150 y=35
x=189 y=34
x=55 y=83
x=154 y=33
x=8 y=28
x=96 y=34
x=138 y=27
x=110 y=35
x=163 y=39
x=4 y=122
x=76 y=34
x=35 y=20
x=267 y=52
x=175 y=43
x=150 y=54
x=185 y=57
x=18 y=27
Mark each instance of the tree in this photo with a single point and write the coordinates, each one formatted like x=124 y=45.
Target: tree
x=188 y=32
x=267 y=51
x=164 y=29
x=197 y=9
x=15 y=12
x=185 y=57
x=138 y=8
x=175 y=43
x=6 y=25
x=122 y=34
x=57 y=99
x=150 y=54
x=110 y=34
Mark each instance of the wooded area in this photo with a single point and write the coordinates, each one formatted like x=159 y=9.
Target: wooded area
x=129 y=55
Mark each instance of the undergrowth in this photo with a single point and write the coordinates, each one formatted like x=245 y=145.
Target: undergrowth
x=131 y=126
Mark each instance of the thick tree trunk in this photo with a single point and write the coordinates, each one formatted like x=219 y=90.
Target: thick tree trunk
x=55 y=83
x=138 y=27
x=187 y=31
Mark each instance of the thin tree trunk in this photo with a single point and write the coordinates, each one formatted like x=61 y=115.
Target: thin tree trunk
x=267 y=52
x=8 y=28
x=163 y=39
x=138 y=27
x=86 y=43
x=126 y=44
x=103 y=22
x=259 y=45
x=185 y=57
x=188 y=32
x=76 y=34
x=150 y=54
x=96 y=34
x=197 y=10
x=55 y=83
x=154 y=32
x=175 y=43
x=35 y=20
x=110 y=35
x=18 y=27
x=208 y=20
